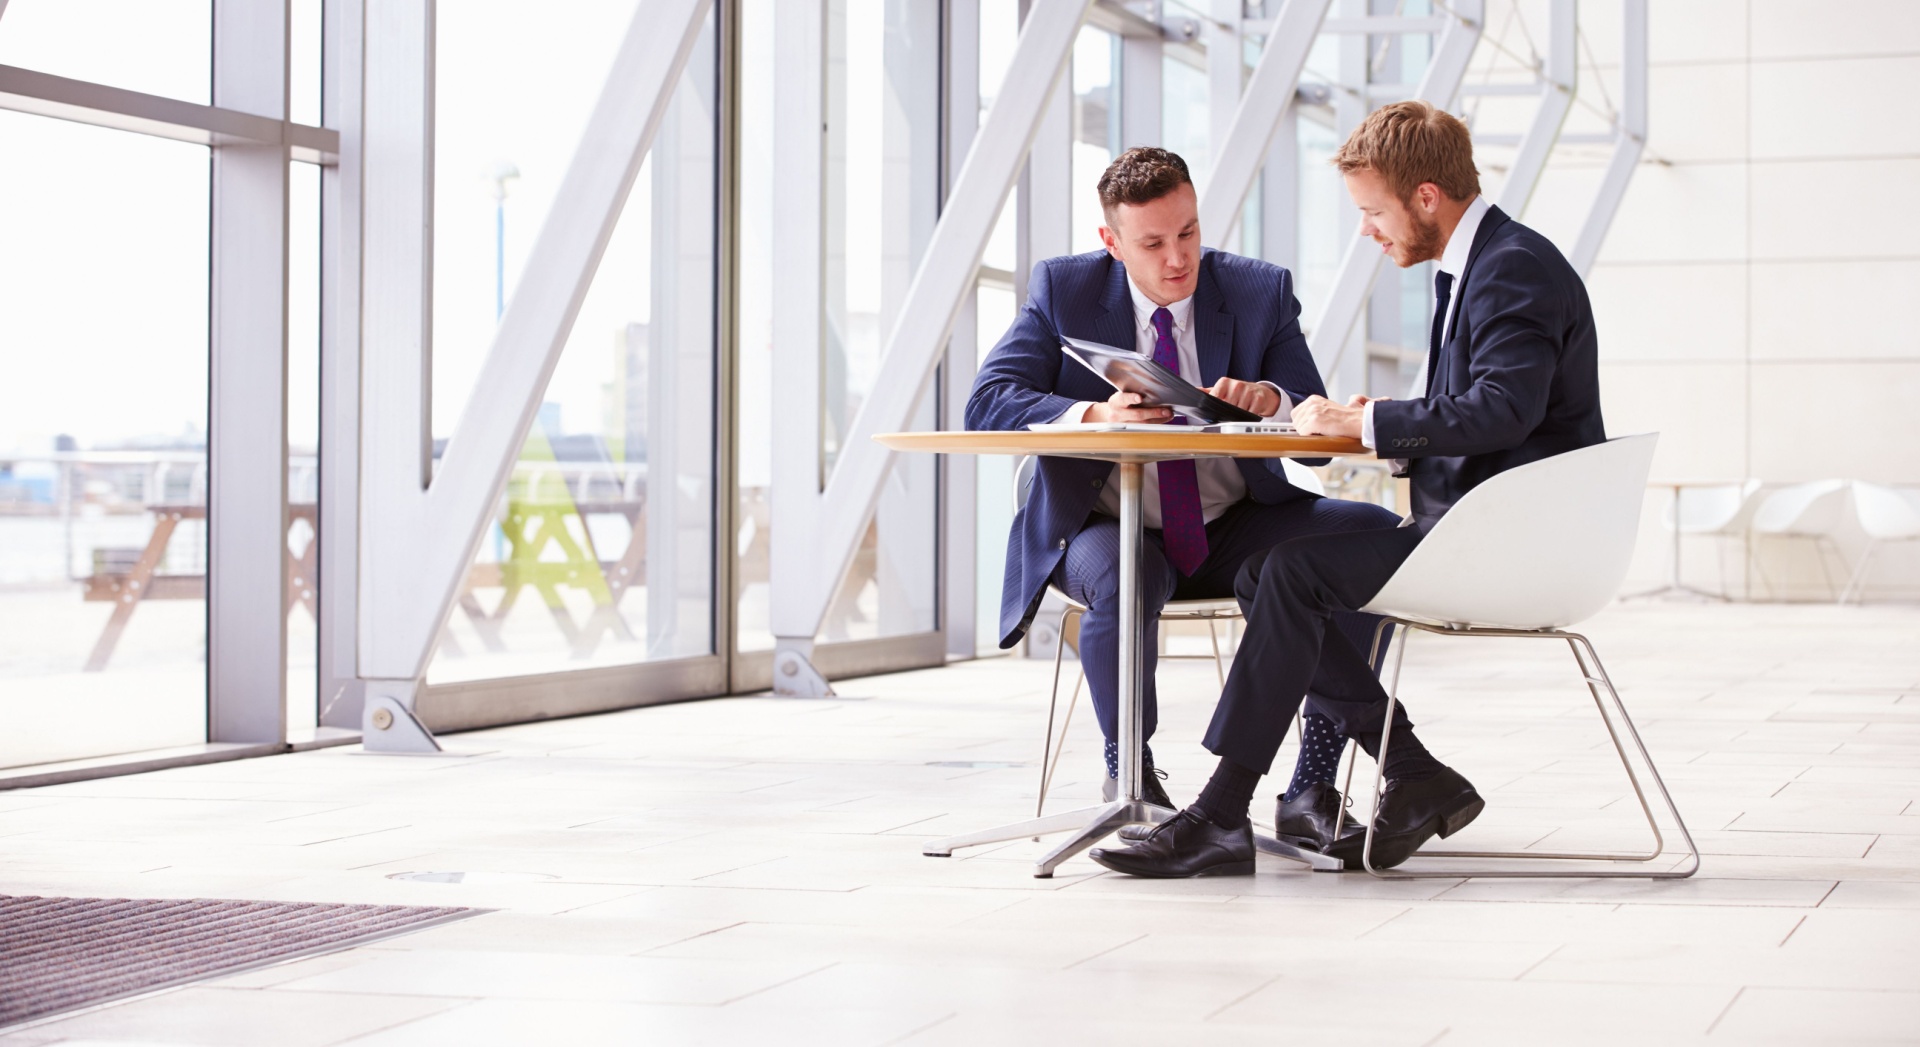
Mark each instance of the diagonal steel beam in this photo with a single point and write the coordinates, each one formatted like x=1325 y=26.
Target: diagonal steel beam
x=417 y=538
x=1440 y=84
x=804 y=586
x=1269 y=93
x=1560 y=77
x=1631 y=140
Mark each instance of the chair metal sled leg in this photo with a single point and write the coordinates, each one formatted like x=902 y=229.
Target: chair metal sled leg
x=1595 y=675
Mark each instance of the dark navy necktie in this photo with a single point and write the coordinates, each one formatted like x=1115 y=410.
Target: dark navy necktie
x=1182 y=526
x=1442 y=294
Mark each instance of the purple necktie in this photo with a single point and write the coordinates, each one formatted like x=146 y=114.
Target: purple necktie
x=1182 y=527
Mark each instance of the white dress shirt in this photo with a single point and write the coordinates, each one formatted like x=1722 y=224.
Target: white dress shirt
x=1219 y=479
x=1453 y=262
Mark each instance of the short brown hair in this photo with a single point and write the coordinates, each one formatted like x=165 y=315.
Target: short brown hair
x=1141 y=175
x=1411 y=142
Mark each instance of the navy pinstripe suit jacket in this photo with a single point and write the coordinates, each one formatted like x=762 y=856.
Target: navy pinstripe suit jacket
x=1246 y=326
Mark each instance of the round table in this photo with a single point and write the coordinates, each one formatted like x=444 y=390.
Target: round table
x=1130 y=452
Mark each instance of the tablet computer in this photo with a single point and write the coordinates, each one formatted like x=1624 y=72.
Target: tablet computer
x=1130 y=372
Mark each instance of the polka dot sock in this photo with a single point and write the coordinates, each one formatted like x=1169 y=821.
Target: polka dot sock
x=1113 y=758
x=1320 y=746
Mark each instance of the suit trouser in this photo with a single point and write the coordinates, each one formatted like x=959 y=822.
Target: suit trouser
x=1289 y=595
x=1090 y=574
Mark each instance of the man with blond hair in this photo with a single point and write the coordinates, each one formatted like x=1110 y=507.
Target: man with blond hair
x=1511 y=378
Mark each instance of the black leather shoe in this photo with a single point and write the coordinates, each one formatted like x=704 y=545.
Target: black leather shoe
x=1411 y=813
x=1308 y=819
x=1186 y=845
x=1151 y=791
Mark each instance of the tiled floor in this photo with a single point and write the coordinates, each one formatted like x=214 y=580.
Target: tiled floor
x=748 y=871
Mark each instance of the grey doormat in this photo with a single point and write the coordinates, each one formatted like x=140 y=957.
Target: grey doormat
x=61 y=954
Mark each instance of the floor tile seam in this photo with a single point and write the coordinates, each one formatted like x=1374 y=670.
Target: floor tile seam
x=784 y=981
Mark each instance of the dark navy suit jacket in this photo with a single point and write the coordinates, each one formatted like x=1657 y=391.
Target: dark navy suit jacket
x=1516 y=379
x=1246 y=325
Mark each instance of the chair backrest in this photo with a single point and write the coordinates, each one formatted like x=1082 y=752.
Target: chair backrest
x=1536 y=547
x=1721 y=509
x=1887 y=513
x=1803 y=509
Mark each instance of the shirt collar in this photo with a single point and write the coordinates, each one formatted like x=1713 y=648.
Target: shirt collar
x=1453 y=260
x=1143 y=308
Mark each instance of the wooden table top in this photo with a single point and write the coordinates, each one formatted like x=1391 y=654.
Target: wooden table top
x=1125 y=446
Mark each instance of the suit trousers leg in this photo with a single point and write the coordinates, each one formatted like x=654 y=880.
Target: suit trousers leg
x=1290 y=596
x=1250 y=529
x=1090 y=574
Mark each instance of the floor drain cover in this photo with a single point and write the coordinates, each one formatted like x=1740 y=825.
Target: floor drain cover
x=61 y=954
x=471 y=877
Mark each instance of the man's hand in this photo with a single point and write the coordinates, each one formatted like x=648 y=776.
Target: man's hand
x=1123 y=406
x=1248 y=396
x=1319 y=416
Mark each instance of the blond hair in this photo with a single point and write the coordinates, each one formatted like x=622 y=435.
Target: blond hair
x=1408 y=143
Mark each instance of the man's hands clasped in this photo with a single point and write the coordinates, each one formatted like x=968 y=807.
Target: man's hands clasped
x=1319 y=416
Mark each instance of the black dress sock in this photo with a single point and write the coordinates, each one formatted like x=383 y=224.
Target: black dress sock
x=1228 y=795
x=1320 y=746
x=1407 y=759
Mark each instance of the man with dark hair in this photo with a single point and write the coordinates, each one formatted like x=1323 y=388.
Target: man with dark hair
x=1220 y=321
x=1511 y=378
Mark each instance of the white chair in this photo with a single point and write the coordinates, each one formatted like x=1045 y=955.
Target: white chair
x=1211 y=612
x=1526 y=554
x=1887 y=514
x=1722 y=511
x=1808 y=512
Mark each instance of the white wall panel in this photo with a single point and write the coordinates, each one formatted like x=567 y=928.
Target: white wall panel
x=1834 y=209
x=1878 y=439
x=1688 y=212
x=1665 y=313
x=1809 y=311
x=1699 y=410
x=1835 y=108
x=1698 y=112
x=1696 y=31
x=1832 y=28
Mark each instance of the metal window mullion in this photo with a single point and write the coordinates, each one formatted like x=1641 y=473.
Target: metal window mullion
x=959 y=474
x=339 y=564
x=247 y=433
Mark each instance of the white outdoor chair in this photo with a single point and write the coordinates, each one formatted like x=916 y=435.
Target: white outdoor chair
x=1887 y=514
x=1526 y=554
x=1212 y=612
x=1722 y=512
x=1808 y=512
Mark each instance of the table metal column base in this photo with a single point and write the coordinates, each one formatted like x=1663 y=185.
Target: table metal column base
x=1314 y=860
x=1094 y=824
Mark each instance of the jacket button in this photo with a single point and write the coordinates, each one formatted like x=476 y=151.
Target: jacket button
x=1097 y=483
x=1423 y=441
x=1063 y=543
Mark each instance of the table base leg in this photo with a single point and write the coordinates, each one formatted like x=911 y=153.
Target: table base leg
x=1311 y=859
x=1093 y=823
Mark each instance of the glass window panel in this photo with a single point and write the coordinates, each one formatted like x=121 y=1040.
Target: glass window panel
x=604 y=550
x=1096 y=128
x=1185 y=117
x=303 y=447
x=103 y=417
x=161 y=47
x=754 y=397
x=303 y=100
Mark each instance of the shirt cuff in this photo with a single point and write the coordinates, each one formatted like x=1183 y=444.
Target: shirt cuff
x=1285 y=409
x=1366 y=427
x=1074 y=415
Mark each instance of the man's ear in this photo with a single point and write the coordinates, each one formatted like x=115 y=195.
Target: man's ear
x=1111 y=241
x=1428 y=196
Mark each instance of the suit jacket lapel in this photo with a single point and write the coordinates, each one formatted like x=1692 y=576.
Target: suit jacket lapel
x=1115 y=326
x=1212 y=327
x=1437 y=369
